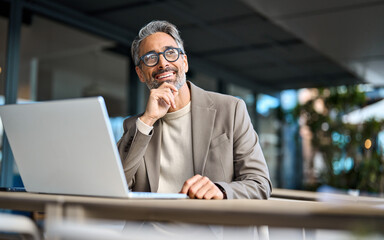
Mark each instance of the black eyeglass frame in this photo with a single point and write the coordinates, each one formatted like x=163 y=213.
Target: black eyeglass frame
x=179 y=51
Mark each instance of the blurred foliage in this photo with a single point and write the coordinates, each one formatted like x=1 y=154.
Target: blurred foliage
x=349 y=164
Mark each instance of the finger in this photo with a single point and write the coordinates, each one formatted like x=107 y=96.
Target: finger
x=217 y=193
x=211 y=193
x=170 y=86
x=162 y=89
x=175 y=93
x=171 y=97
x=172 y=100
x=164 y=104
x=188 y=183
x=198 y=186
x=166 y=96
x=163 y=100
x=172 y=90
x=202 y=192
x=207 y=191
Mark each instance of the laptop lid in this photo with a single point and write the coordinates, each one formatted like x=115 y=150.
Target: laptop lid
x=67 y=147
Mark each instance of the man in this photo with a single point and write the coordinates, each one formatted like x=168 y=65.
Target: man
x=188 y=140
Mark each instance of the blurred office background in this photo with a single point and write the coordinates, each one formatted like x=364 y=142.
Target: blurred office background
x=310 y=72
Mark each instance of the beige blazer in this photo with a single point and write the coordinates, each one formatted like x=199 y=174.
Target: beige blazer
x=225 y=146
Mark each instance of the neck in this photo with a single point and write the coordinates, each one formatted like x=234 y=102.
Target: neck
x=182 y=99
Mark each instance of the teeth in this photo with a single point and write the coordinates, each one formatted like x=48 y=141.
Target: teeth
x=164 y=76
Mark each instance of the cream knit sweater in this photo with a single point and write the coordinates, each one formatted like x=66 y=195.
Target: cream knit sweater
x=176 y=158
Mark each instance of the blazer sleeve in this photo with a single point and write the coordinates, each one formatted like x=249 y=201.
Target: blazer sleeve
x=132 y=147
x=251 y=175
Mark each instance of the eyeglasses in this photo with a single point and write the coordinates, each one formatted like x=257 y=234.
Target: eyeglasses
x=152 y=58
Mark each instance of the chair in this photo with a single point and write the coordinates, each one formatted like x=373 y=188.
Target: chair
x=17 y=227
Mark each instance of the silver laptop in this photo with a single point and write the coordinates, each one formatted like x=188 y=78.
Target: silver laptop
x=67 y=147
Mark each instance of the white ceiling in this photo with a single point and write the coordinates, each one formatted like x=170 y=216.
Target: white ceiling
x=349 y=31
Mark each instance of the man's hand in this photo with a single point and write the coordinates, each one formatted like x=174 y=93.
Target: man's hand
x=159 y=101
x=202 y=188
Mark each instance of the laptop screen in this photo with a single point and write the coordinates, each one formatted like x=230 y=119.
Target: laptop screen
x=65 y=147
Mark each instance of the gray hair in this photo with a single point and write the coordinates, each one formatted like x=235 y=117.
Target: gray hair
x=151 y=28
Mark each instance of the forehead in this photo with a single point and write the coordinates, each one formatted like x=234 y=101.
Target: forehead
x=156 y=42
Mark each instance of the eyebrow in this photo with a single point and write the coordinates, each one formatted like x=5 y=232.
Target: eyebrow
x=168 y=47
x=164 y=48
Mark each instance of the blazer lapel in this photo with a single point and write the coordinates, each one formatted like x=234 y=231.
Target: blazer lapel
x=203 y=118
x=152 y=157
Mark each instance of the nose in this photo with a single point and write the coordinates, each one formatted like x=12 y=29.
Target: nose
x=163 y=63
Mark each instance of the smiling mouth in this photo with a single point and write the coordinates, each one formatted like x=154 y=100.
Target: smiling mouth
x=164 y=76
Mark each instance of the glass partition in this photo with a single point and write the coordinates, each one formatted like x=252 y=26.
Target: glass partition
x=60 y=62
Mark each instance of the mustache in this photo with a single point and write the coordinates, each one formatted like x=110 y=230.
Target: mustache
x=167 y=69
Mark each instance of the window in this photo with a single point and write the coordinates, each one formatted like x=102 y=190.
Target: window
x=60 y=62
x=3 y=41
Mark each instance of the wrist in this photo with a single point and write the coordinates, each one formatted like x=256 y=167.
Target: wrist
x=147 y=120
x=222 y=190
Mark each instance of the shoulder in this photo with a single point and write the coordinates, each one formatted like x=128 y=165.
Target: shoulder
x=217 y=99
x=220 y=97
x=226 y=102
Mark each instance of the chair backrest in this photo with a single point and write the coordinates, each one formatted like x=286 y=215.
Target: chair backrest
x=11 y=224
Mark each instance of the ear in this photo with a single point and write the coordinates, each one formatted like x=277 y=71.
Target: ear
x=185 y=59
x=140 y=74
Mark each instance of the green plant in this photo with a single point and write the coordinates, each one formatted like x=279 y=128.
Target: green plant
x=352 y=157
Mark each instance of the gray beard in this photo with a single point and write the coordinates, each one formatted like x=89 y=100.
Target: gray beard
x=178 y=83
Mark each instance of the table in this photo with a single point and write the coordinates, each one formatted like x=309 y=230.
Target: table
x=324 y=197
x=274 y=212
